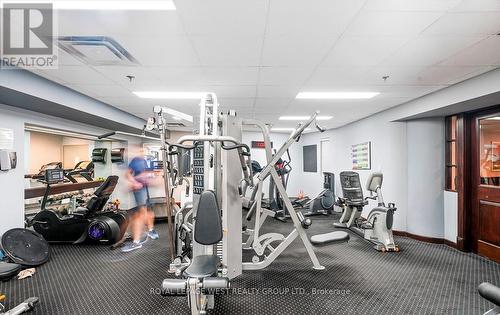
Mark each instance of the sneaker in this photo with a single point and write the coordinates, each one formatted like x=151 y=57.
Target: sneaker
x=153 y=235
x=131 y=246
x=144 y=238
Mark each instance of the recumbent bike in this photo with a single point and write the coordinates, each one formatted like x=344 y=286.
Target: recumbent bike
x=377 y=227
x=89 y=223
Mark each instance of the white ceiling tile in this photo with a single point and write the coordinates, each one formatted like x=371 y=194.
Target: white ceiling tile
x=160 y=51
x=233 y=91
x=231 y=75
x=429 y=50
x=78 y=75
x=439 y=75
x=318 y=17
x=143 y=77
x=239 y=104
x=65 y=59
x=272 y=105
x=273 y=91
x=231 y=17
x=410 y=5
x=484 y=53
x=179 y=76
x=466 y=24
x=363 y=50
x=291 y=50
x=435 y=75
x=108 y=23
x=478 y=5
x=391 y=23
x=409 y=91
x=331 y=78
x=228 y=50
x=103 y=90
x=284 y=75
x=397 y=75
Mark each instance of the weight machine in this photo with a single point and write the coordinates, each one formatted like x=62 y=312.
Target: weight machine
x=221 y=164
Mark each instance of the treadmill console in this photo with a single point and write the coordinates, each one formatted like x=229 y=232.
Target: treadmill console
x=54 y=176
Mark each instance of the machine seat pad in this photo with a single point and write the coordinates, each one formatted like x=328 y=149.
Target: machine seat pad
x=202 y=266
x=327 y=238
x=8 y=270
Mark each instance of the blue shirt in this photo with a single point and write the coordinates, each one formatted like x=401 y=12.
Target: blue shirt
x=138 y=165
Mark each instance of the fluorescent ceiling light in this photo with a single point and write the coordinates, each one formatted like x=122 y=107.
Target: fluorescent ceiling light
x=170 y=95
x=176 y=114
x=304 y=117
x=493 y=118
x=336 y=95
x=165 y=5
x=286 y=129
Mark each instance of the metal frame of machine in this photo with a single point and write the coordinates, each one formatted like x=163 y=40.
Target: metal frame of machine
x=219 y=160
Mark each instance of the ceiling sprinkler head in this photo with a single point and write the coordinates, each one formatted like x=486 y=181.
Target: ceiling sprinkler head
x=130 y=77
x=385 y=77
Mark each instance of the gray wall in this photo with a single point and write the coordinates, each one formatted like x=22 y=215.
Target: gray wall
x=389 y=153
x=409 y=154
x=425 y=141
x=12 y=182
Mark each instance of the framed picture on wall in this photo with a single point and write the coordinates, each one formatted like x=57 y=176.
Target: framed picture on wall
x=310 y=158
x=361 y=156
x=495 y=156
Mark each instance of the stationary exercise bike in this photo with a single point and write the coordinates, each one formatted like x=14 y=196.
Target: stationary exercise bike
x=377 y=227
x=88 y=223
x=324 y=202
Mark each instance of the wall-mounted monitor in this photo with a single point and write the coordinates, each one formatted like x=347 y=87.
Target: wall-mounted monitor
x=310 y=158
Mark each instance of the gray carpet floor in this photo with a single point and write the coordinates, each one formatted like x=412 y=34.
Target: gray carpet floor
x=421 y=279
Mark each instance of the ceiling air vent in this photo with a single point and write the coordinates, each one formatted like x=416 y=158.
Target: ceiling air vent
x=96 y=50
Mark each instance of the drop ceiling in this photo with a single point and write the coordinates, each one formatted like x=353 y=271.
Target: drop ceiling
x=257 y=55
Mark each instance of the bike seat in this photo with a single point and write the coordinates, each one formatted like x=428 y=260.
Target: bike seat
x=202 y=266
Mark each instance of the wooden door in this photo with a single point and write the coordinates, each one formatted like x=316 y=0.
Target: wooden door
x=485 y=163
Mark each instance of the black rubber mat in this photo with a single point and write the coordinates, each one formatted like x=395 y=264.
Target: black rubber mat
x=421 y=279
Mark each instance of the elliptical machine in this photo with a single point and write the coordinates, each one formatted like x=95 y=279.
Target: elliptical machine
x=377 y=227
x=324 y=202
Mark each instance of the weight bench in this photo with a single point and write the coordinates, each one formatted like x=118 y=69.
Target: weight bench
x=201 y=280
x=491 y=293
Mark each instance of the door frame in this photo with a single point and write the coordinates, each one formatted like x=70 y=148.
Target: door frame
x=475 y=174
x=468 y=176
